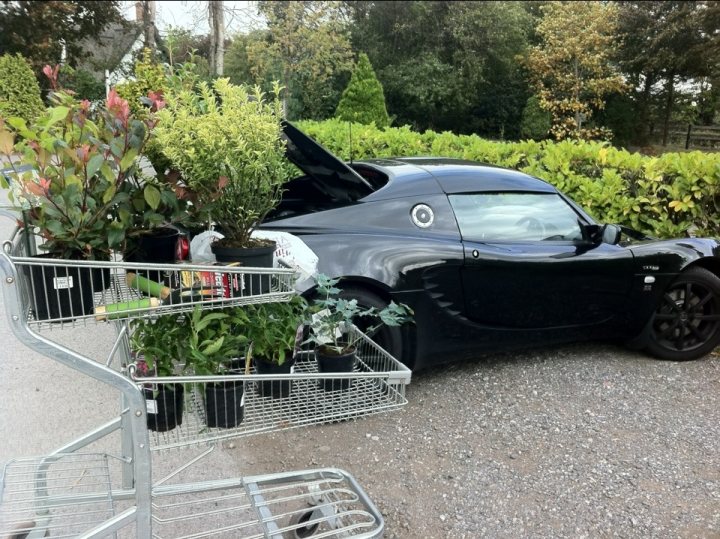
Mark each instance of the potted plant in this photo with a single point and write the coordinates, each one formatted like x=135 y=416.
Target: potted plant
x=225 y=142
x=71 y=183
x=214 y=347
x=159 y=351
x=153 y=235
x=330 y=323
x=272 y=330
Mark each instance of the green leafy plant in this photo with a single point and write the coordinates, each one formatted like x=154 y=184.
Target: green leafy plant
x=160 y=342
x=19 y=89
x=213 y=339
x=271 y=328
x=225 y=141
x=332 y=317
x=76 y=190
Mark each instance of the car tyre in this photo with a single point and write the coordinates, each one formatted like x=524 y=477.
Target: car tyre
x=686 y=322
x=388 y=338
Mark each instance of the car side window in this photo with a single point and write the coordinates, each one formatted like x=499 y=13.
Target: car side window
x=515 y=217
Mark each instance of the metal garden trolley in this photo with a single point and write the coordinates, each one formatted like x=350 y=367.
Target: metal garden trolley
x=74 y=493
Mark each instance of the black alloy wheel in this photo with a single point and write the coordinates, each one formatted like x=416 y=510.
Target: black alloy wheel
x=686 y=323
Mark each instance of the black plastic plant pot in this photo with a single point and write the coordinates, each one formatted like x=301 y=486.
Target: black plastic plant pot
x=254 y=257
x=224 y=404
x=64 y=292
x=164 y=407
x=277 y=389
x=329 y=363
x=158 y=246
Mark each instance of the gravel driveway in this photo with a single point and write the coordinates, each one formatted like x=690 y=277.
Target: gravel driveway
x=579 y=441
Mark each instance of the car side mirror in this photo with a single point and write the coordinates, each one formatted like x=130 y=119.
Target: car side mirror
x=611 y=234
x=598 y=234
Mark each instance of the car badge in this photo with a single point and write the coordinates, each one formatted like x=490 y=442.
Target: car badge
x=422 y=215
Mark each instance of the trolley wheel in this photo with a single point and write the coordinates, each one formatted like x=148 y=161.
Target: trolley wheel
x=303 y=530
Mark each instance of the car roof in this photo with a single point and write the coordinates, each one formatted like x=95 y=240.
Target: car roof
x=453 y=176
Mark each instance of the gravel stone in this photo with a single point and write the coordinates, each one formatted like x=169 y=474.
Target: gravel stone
x=578 y=441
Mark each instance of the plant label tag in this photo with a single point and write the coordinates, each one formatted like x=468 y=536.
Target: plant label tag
x=292 y=369
x=242 y=401
x=62 y=283
x=151 y=406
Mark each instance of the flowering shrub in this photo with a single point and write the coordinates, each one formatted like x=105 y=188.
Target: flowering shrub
x=78 y=192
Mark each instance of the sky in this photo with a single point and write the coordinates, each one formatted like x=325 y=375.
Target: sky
x=240 y=16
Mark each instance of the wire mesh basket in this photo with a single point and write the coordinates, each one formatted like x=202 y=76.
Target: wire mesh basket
x=189 y=410
x=65 y=292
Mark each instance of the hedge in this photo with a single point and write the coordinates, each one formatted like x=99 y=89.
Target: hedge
x=664 y=196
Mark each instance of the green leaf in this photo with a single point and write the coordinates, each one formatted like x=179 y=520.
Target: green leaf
x=107 y=171
x=128 y=159
x=152 y=196
x=57 y=114
x=17 y=123
x=56 y=227
x=116 y=234
x=109 y=193
x=214 y=347
x=94 y=164
x=205 y=320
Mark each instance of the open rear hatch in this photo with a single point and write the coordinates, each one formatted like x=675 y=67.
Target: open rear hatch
x=326 y=176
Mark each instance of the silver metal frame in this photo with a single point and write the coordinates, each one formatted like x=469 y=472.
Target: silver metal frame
x=68 y=493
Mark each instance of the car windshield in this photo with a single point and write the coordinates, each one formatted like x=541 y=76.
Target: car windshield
x=515 y=217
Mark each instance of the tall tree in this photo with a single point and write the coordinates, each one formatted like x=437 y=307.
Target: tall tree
x=363 y=100
x=307 y=48
x=148 y=21
x=217 y=36
x=666 y=42
x=448 y=65
x=40 y=30
x=571 y=68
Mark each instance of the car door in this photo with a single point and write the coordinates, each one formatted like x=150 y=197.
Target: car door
x=528 y=266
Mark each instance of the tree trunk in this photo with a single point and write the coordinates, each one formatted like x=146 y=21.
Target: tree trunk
x=644 y=110
x=670 y=89
x=149 y=23
x=578 y=115
x=217 y=37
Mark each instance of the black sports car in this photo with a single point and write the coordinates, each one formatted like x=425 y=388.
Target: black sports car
x=493 y=259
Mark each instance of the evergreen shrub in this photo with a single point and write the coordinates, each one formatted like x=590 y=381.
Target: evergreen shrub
x=19 y=89
x=363 y=101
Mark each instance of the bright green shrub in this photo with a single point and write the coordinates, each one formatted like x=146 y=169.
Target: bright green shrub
x=19 y=89
x=149 y=77
x=363 y=101
x=662 y=196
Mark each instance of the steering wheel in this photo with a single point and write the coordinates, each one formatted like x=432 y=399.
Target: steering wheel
x=532 y=224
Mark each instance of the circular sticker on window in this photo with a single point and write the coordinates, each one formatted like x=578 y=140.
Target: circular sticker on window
x=422 y=215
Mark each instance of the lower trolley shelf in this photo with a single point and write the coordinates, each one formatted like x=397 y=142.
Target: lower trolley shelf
x=70 y=495
x=288 y=505
x=64 y=495
x=253 y=404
